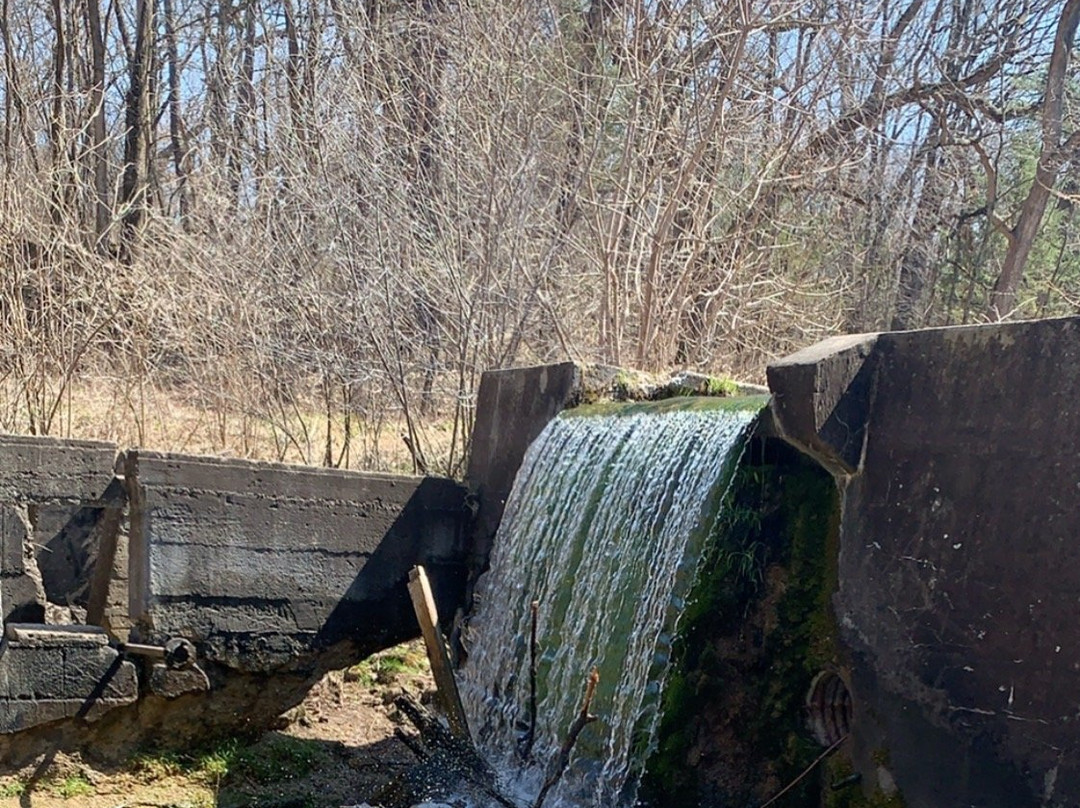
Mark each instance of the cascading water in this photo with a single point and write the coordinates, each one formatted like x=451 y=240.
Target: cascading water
x=606 y=522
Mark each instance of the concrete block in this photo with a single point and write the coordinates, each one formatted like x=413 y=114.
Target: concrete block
x=959 y=569
x=821 y=399
x=30 y=672
x=36 y=469
x=34 y=635
x=259 y=562
x=512 y=407
x=172 y=684
x=52 y=673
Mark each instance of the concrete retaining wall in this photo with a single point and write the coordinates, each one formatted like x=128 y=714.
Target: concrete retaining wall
x=512 y=407
x=52 y=494
x=276 y=574
x=263 y=563
x=957 y=452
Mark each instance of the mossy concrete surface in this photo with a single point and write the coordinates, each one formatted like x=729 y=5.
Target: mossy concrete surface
x=757 y=629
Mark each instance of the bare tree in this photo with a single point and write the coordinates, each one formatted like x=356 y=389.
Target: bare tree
x=1055 y=152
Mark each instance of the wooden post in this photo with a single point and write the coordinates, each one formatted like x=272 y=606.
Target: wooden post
x=424 y=604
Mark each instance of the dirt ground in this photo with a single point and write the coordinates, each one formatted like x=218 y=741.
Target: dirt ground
x=333 y=750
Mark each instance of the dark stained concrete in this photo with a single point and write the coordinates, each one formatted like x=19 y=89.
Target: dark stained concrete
x=49 y=673
x=957 y=452
x=276 y=573
x=51 y=495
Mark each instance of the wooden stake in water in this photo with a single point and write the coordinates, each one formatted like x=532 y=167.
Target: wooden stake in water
x=428 y=617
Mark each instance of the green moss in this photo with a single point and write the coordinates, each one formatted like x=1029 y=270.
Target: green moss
x=880 y=757
x=845 y=791
x=689 y=403
x=772 y=549
x=721 y=387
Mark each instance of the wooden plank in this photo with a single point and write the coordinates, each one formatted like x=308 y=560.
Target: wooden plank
x=428 y=617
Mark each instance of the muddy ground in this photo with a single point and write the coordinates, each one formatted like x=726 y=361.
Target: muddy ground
x=332 y=750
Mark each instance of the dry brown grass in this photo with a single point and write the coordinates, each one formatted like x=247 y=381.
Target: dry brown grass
x=187 y=421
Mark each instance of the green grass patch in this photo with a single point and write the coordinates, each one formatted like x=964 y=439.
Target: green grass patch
x=73 y=786
x=273 y=759
x=279 y=757
x=385 y=667
x=10 y=789
x=214 y=765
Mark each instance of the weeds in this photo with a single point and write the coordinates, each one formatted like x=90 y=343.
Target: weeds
x=159 y=765
x=385 y=667
x=11 y=789
x=74 y=785
x=716 y=386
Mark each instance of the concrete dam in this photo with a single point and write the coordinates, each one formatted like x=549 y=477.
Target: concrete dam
x=893 y=577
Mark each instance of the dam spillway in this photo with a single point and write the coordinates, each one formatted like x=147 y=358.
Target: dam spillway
x=604 y=528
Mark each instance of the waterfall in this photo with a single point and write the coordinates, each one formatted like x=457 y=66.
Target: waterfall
x=604 y=527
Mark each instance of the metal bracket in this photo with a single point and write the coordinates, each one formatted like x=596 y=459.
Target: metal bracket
x=177 y=653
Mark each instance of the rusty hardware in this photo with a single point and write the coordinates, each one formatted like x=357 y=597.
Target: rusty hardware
x=177 y=652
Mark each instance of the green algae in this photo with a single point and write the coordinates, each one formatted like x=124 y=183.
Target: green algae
x=667 y=405
x=757 y=629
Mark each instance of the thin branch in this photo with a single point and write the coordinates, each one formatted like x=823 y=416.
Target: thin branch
x=562 y=760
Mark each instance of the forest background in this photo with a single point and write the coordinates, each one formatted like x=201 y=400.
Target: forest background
x=301 y=229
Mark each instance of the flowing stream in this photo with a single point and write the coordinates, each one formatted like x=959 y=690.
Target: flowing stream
x=607 y=520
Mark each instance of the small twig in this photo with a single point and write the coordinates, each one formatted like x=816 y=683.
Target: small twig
x=531 y=734
x=805 y=772
x=584 y=717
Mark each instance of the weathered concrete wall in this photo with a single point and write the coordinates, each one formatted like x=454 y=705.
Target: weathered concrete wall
x=957 y=452
x=261 y=564
x=512 y=407
x=52 y=494
x=276 y=574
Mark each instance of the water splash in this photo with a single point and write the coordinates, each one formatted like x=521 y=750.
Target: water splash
x=604 y=528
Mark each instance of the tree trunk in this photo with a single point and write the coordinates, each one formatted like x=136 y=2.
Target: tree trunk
x=97 y=151
x=56 y=115
x=176 y=125
x=1003 y=298
x=138 y=121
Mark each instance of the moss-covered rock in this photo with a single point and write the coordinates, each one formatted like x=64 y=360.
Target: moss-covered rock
x=601 y=383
